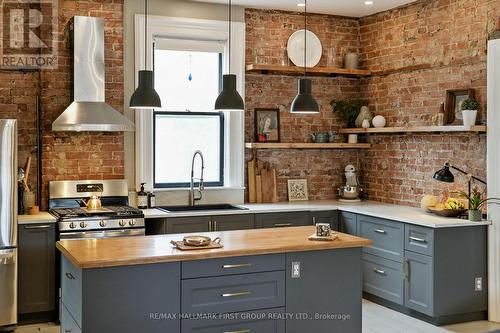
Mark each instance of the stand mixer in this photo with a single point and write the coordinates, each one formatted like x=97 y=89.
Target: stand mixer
x=352 y=191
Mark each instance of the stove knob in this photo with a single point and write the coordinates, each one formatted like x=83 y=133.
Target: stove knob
x=122 y=223
x=72 y=225
x=83 y=225
x=132 y=223
x=102 y=223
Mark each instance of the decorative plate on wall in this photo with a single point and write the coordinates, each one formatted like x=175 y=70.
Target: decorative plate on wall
x=295 y=48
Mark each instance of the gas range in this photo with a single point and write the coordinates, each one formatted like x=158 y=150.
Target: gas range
x=109 y=217
x=115 y=217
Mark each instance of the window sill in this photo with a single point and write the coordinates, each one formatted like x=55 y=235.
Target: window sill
x=208 y=189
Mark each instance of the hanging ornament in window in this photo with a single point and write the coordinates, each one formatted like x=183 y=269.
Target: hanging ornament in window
x=190 y=77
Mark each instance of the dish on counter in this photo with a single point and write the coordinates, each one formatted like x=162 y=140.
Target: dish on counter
x=446 y=212
x=295 y=48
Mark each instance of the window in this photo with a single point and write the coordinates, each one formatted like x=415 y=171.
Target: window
x=187 y=77
x=177 y=136
x=177 y=47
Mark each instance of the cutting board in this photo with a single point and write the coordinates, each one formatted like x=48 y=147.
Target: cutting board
x=258 y=188
x=252 y=195
x=268 y=180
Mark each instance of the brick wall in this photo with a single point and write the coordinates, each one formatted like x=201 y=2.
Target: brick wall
x=432 y=46
x=69 y=155
x=267 y=33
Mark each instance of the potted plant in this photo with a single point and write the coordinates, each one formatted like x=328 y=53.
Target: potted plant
x=469 y=112
x=348 y=110
x=476 y=203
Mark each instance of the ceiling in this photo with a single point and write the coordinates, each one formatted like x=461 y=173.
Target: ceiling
x=352 y=8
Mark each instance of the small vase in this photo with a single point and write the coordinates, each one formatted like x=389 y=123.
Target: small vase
x=469 y=117
x=475 y=215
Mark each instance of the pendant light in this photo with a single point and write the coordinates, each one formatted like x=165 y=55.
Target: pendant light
x=305 y=102
x=229 y=99
x=145 y=95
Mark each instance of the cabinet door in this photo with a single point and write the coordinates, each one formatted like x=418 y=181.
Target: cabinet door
x=232 y=222
x=156 y=226
x=182 y=225
x=347 y=223
x=419 y=287
x=330 y=217
x=37 y=268
x=279 y=220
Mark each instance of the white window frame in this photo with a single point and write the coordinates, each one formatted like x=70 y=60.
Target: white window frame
x=191 y=29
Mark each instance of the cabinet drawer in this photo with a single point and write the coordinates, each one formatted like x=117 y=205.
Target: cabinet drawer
x=71 y=283
x=387 y=237
x=233 y=293
x=383 y=278
x=419 y=239
x=68 y=324
x=278 y=220
x=264 y=321
x=232 y=266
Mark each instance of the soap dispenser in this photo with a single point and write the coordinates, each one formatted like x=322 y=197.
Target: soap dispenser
x=142 y=198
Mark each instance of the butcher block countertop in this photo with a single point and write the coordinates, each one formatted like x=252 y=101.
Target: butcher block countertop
x=124 y=251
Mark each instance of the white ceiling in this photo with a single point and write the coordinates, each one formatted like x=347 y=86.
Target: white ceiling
x=352 y=8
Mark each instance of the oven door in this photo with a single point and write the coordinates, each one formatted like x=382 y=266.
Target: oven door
x=102 y=234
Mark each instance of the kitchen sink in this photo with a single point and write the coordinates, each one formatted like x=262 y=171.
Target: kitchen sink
x=197 y=208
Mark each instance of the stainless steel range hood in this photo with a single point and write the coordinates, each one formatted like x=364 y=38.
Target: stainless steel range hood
x=89 y=112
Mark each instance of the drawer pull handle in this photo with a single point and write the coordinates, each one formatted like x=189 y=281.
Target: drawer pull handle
x=379 y=271
x=242 y=293
x=237 y=266
x=37 y=227
x=418 y=240
x=283 y=224
x=379 y=231
x=240 y=331
x=70 y=276
x=67 y=331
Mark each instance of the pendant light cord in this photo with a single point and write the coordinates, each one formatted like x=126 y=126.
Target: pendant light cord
x=145 y=34
x=305 y=38
x=229 y=23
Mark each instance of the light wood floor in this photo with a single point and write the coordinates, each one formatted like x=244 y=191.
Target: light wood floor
x=376 y=319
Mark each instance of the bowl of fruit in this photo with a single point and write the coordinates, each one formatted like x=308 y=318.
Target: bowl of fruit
x=450 y=208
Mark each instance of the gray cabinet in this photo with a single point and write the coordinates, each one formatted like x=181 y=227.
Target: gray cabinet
x=348 y=223
x=37 y=271
x=383 y=278
x=183 y=225
x=232 y=222
x=329 y=216
x=387 y=237
x=419 y=282
x=279 y=220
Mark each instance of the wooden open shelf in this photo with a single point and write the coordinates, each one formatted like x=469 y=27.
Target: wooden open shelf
x=281 y=145
x=318 y=71
x=415 y=129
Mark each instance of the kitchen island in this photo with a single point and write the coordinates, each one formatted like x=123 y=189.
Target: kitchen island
x=273 y=280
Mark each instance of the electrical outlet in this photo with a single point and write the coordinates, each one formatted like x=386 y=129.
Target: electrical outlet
x=295 y=269
x=478 y=284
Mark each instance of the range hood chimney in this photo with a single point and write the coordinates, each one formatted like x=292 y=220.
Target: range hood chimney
x=89 y=111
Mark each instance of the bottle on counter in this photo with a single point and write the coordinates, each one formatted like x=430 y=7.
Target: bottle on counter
x=151 y=200
x=142 y=198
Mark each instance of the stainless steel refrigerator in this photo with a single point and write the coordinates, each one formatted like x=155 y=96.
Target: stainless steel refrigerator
x=8 y=222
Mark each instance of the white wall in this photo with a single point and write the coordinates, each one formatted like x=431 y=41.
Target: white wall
x=172 y=8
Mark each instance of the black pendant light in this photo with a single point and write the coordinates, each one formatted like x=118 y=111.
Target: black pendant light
x=145 y=95
x=229 y=99
x=305 y=102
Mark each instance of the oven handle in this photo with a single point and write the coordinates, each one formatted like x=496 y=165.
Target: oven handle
x=102 y=234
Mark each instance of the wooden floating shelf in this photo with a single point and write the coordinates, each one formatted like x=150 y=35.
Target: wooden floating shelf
x=280 y=145
x=415 y=129
x=294 y=70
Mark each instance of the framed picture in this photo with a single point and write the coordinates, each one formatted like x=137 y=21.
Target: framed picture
x=267 y=125
x=454 y=100
x=297 y=190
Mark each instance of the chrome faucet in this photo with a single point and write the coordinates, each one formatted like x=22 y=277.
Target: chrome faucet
x=192 y=197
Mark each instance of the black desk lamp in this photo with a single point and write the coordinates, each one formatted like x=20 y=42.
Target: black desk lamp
x=445 y=175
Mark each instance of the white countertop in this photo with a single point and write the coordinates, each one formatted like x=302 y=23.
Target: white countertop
x=399 y=213
x=42 y=217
